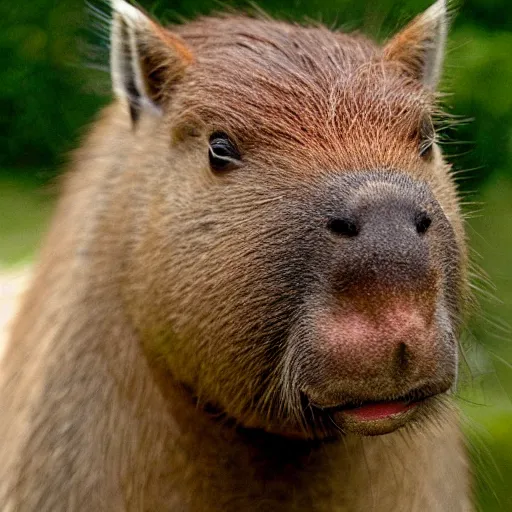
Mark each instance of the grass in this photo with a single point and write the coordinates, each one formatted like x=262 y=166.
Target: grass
x=25 y=210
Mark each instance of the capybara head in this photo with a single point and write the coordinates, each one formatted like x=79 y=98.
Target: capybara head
x=294 y=250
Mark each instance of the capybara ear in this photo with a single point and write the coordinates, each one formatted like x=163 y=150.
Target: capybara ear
x=419 y=48
x=146 y=59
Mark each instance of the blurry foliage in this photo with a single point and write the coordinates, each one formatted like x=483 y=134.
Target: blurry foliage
x=44 y=96
x=52 y=86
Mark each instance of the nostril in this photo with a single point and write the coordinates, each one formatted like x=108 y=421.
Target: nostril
x=423 y=222
x=343 y=227
x=402 y=357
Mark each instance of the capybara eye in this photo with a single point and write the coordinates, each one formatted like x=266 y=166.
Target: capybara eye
x=426 y=148
x=427 y=138
x=222 y=152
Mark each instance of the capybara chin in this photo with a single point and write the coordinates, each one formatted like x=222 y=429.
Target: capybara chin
x=257 y=268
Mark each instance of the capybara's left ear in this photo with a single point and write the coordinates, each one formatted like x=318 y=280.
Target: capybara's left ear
x=419 y=48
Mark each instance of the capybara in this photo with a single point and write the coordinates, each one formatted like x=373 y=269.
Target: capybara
x=251 y=294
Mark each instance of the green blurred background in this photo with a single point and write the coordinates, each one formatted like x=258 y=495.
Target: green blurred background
x=53 y=81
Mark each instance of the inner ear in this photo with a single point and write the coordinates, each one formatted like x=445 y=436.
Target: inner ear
x=122 y=66
x=146 y=60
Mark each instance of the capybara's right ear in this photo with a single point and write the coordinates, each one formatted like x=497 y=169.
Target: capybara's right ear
x=146 y=60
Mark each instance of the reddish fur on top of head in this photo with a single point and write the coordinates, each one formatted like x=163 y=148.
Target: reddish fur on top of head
x=286 y=87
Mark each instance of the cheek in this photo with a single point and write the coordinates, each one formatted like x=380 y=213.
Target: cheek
x=227 y=297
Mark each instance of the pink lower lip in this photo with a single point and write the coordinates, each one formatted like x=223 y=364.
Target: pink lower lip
x=378 y=410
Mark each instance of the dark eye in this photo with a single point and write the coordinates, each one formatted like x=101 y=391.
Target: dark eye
x=222 y=153
x=427 y=139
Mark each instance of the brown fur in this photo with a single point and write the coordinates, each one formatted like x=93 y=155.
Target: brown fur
x=155 y=364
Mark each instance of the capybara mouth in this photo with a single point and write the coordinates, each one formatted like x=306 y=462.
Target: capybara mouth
x=368 y=411
x=375 y=418
x=409 y=399
x=370 y=418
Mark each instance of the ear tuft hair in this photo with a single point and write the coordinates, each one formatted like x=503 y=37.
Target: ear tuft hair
x=419 y=48
x=145 y=59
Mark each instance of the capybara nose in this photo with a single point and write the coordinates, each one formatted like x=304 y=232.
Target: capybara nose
x=393 y=213
x=383 y=227
x=384 y=244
